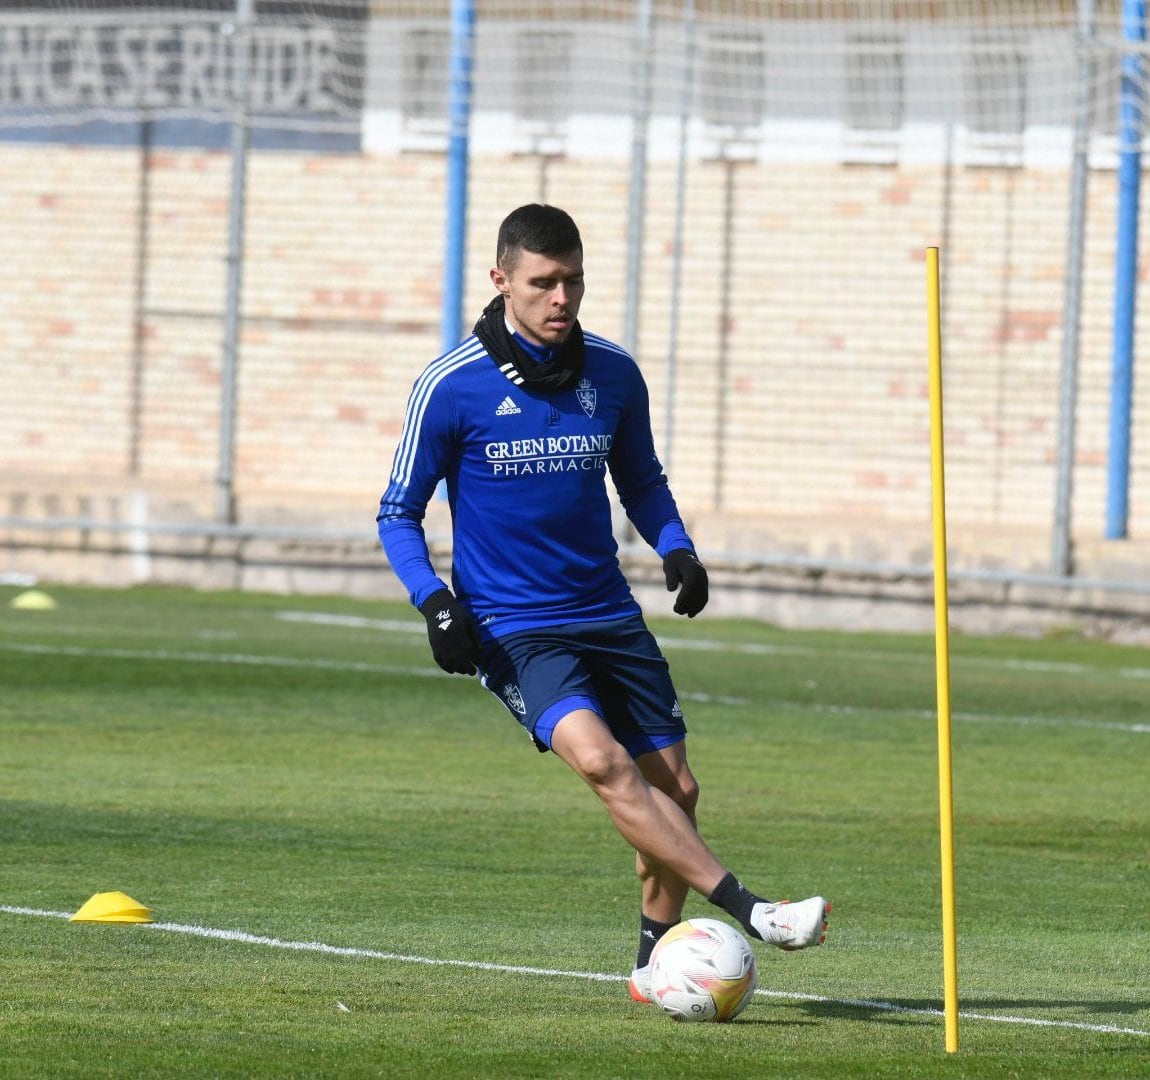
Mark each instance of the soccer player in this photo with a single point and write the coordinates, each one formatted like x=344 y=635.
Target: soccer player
x=524 y=419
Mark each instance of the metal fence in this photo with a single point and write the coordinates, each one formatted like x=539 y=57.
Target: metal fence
x=230 y=231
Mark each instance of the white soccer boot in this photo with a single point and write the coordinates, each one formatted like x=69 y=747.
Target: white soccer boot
x=640 y=986
x=792 y=926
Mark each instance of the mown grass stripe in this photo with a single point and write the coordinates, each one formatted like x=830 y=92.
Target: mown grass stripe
x=430 y=672
x=245 y=938
x=753 y=648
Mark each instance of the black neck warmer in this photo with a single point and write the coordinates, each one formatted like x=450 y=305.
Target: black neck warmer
x=559 y=373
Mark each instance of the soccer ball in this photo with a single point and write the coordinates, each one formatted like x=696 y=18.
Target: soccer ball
x=702 y=969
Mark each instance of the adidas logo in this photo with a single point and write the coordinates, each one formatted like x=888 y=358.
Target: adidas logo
x=507 y=407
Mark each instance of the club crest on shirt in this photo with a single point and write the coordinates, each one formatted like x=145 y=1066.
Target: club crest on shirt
x=514 y=699
x=586 y=394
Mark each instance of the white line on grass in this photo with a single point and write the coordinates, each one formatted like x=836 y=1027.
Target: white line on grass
x=753 y=648
x=430 y=672
x=252 y=660
x=975 y=718
x=215 y=658
x=594 y=976
x=355 y=622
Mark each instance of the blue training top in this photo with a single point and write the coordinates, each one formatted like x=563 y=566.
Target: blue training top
x=526 y=484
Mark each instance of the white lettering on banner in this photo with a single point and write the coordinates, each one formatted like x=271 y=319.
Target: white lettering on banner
x=167 y=67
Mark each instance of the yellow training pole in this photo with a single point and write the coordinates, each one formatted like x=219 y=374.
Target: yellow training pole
x=942 y=656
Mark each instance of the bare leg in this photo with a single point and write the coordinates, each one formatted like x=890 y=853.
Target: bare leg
x=664 y=891
x=652 y=822
x=668 y=844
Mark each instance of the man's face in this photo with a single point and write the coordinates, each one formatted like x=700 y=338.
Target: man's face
x=542 y=294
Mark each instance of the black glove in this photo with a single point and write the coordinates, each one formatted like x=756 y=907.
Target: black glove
x=681 y=567
x=454 y=639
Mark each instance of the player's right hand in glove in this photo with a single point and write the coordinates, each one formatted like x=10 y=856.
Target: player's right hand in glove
x=451 y=631
x=680 y=567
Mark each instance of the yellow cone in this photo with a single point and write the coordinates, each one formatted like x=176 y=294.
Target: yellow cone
x=33 y=600
x=114 y=907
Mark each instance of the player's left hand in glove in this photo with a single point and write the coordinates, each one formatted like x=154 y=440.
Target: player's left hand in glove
x=454 y=639
x=681 y=568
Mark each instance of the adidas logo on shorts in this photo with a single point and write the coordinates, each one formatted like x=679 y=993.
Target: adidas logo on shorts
x=507 y=407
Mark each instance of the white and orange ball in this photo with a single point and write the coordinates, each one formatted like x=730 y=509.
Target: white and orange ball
x=703 y=970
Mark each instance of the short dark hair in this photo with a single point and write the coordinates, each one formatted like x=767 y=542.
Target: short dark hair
x=544 y=230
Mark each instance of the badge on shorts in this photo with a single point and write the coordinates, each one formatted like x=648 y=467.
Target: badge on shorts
x=586 y=394
x=514 y=699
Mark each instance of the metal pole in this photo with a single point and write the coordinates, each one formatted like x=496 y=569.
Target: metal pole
x=677 y=257
x=641 y=114
x=143 y=217
x=1072 y=294
x=459 y=123
x=229 y=365
x=947 y=213
x=1125 y=273
x=723 y=367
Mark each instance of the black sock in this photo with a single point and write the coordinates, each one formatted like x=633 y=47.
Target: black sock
x=737 y=902
x=649 y=933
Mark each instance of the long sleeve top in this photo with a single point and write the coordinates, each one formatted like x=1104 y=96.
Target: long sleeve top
x=525 y=471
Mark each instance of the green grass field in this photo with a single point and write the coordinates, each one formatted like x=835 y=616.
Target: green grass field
x=296 y=770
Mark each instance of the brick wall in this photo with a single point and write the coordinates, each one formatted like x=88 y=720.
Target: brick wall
x=800 y=412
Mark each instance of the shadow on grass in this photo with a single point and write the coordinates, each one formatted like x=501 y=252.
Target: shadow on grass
x=896 y=1010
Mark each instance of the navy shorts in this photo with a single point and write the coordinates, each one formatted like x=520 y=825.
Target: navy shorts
x=613 y=667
